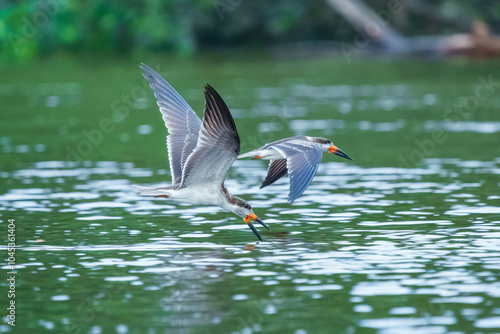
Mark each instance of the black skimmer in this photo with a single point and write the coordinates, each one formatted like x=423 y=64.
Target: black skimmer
x=200 y=153
x=298 y=156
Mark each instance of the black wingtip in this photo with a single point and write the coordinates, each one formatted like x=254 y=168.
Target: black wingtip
x=265 y=183
x=277 y=169
x=210 y=91
x=217 y=108
x=211 y=94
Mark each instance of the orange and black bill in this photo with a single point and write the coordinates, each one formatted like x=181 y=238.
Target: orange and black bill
x=248 y=221
x=337 y=151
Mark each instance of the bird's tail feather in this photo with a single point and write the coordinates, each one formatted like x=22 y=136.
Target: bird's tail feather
x=247 y=155
x=146 y=191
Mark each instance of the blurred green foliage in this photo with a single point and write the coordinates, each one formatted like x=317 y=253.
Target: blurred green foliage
x=36 y=28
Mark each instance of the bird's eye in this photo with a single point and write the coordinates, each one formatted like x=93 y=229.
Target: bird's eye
x=247 y=206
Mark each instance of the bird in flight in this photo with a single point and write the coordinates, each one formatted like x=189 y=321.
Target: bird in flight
x=200 y=152
x=298 y=156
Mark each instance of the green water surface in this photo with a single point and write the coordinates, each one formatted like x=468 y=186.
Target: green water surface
x=403 y=239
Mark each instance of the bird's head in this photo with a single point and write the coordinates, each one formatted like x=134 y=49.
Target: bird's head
x=241 y=208
x=328 y=146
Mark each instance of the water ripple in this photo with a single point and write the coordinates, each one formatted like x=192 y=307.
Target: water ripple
x=427 y=247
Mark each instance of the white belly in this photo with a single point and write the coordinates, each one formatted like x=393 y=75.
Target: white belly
x=270 y=154
x=199 y=195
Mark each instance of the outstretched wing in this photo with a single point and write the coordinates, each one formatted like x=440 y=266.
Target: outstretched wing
x=181 y=121
x=218 y=144
x=277 y=169
x=302 y=161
